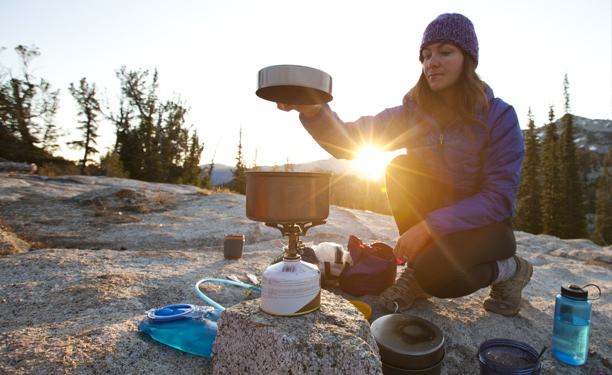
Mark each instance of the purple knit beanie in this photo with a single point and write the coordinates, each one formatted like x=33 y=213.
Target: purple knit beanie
x=451 y=28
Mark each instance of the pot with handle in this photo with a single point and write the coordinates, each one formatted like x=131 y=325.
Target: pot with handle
x=287 y=197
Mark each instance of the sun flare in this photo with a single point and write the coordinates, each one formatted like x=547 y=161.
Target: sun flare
x=372 y=162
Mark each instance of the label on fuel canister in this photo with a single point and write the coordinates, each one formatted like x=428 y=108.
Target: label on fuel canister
x=291 y=287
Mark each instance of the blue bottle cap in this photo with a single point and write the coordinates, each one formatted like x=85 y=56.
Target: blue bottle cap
x=171 y=312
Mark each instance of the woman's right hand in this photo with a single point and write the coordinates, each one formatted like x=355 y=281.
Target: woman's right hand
x=412 y=243
x=307 y=110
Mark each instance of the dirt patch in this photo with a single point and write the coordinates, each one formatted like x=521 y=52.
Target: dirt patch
x=11 y=244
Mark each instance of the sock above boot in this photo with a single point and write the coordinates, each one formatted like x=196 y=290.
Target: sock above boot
x=506 y=268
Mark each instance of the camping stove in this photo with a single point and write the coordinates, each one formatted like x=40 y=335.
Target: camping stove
x=291 y=287
x=291 y=202
x=294 y=231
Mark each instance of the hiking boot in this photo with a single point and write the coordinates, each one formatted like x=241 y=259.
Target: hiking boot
x=505 y=297
x=404 y=292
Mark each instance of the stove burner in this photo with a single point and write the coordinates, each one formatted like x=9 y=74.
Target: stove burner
x=294 y=231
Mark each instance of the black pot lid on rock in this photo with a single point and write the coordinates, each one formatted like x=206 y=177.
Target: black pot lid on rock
x=408 y=335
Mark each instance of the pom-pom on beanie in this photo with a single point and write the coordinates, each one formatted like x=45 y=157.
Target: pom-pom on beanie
x=452 y=28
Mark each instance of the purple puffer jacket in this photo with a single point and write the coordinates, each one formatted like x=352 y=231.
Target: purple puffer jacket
x=484 y=173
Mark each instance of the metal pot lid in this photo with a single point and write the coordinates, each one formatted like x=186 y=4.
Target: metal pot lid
x=294 y=84
x=407 y=335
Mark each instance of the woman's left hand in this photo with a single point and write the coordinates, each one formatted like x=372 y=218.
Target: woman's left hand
x=412 y=242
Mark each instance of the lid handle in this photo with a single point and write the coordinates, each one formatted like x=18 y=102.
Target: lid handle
x=598 y=288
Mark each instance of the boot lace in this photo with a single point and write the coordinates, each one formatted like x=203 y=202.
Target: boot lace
x=408 y=286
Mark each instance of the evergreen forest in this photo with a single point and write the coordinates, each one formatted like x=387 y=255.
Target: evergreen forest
x=153 y=142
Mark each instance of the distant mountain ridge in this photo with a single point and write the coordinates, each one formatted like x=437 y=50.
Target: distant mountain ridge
x=223 y=173
x=594 y=135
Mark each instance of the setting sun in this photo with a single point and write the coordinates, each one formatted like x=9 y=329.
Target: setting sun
x=372 y=162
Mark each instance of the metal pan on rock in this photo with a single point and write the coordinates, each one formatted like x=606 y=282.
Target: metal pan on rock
x=294 y=84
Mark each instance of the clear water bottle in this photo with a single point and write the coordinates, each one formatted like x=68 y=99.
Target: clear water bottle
x=571 y=329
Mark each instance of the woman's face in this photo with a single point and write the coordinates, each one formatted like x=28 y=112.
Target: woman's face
x=442 y=65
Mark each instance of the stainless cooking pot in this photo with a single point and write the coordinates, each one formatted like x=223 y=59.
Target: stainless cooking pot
x=294 y=84
x=408 y=344
x=287 y=197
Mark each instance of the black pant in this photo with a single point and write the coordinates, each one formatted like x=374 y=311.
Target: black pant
x=455 y=264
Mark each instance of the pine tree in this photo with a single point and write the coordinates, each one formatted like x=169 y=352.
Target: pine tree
x=89 y=107
x=152 y=141
x=173 y=141
x=572 y=221
x=238 y=183
x=211 y=166
x=254 y=166
x=552 y=188
x=111 y=166
x=529 y=211
x=603 y=213
x=192 y=174
x=138 y=103
x=49 y=105
x=288 y=165
x=27 y=108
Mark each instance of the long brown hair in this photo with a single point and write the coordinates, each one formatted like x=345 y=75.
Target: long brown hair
x=472 y=104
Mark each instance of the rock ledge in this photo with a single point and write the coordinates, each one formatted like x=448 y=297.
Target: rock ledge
x=336 y=339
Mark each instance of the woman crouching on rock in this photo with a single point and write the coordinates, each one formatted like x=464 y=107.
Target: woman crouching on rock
x=452 y=193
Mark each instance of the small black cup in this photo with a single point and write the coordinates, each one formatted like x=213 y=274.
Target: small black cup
x=233 y=247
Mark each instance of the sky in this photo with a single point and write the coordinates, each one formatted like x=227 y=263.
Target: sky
x=208 y=54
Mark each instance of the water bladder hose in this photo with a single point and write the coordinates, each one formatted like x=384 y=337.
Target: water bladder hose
x=213 y=303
